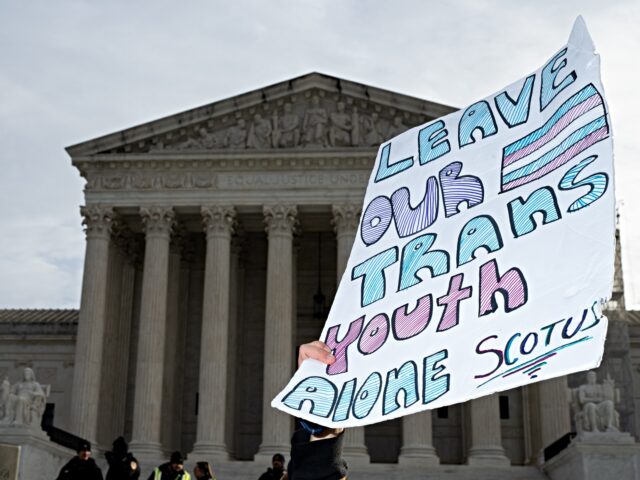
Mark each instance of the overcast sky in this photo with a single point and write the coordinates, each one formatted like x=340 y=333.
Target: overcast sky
x=74 y=70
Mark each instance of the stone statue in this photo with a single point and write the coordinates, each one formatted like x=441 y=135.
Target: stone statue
x=341 y=127
x=236 y=136
x=594 y=406
x=205 y=140
x=372 y=136
x=396 y=128
x=315 y=124
x=259 y=133
x=286 y=130
x=25 y=402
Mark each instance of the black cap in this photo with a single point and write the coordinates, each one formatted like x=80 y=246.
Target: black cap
x=84 y=445
x=278 y=456
x=176 y=457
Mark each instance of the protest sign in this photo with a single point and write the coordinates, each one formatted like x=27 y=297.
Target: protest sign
x=484 y=252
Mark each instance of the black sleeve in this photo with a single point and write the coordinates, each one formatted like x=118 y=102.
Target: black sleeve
x=64 y=472
x=319 y=460
x=93 y=470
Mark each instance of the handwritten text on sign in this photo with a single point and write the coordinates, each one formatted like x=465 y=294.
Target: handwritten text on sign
x=484 y=251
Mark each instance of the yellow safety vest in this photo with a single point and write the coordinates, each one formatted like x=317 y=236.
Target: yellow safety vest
x=158 y=474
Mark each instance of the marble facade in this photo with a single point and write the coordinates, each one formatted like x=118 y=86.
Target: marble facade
x=208 y=233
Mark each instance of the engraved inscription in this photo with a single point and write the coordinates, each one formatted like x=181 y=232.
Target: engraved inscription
x=302 y=179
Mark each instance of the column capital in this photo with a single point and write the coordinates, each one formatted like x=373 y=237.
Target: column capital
x=98 y=220
x=280 y=219
x=157 y=221
x=346 y=218
x=218 y=220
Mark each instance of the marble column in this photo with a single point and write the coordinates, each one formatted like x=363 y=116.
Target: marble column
x=147 y=409
x=91 y=323
x=237 y=283
x=125 y=317
x=417 y=441
x=554 y=416
x=210 y=438
x=485 y=434
x=280 y=223
x=107 y=422
x=345 y=222
x=173 y=349
x=187 y=261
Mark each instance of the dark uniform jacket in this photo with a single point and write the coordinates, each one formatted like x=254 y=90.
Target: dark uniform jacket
x=272 y=474
x=319 y=460
x=120 y=466
x=78 y=469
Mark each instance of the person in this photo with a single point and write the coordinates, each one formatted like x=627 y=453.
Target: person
x=172 y=470
x=276 y=472
x=314 y=124
x=397 y=128
x=341 y=127
x=286 y=131
x=82 y=466
x=259 y=133
x=316 y=451
x=236 y=136
x=122 y=464
x=202 y=471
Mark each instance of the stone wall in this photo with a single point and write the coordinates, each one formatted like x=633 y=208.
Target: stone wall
x=49 y=350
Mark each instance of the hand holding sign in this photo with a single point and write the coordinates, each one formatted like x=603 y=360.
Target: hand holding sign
x=317 y=350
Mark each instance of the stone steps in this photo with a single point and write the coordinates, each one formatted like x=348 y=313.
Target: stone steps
x=251 y=471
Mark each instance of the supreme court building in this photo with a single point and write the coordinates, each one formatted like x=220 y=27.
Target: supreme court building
x=215 y=239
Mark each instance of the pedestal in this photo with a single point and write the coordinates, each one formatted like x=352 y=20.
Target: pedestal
x=9 y=461
x=596 y=456
x=32 y=455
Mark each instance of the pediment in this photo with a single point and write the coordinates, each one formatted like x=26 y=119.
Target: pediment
x=310 y=112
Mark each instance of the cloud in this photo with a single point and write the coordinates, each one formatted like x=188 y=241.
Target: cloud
x=74 y=70
x=41 y=264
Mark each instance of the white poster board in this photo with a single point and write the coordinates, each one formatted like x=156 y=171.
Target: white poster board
x=483 y=254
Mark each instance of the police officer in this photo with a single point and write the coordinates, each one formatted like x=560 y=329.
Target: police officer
x=82 y=466
x=172 y=470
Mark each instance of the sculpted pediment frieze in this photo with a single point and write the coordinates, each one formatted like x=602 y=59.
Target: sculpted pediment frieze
x=310 y=112
x=313 y=120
